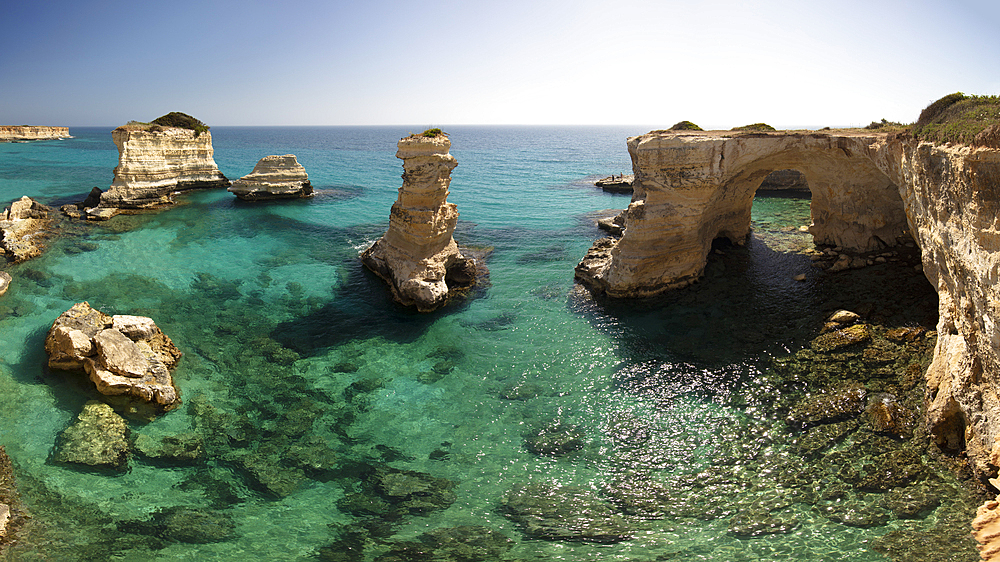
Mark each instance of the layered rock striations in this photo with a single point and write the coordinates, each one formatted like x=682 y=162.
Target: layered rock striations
x=418 y=256
x=867 y=190
x=274 y=177
x=11 y=133
x=154 y=162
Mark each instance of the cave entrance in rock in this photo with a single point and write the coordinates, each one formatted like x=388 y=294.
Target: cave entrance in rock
x=781 y=210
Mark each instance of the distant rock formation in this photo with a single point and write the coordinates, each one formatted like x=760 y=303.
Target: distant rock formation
x=274 y=177
x=10 y=133
x=123 y=355
x=156 y=161
x=417 y=256
x=23 y=229
x=781 y=180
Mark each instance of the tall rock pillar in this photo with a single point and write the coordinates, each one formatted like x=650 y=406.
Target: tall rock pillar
x=417 y=256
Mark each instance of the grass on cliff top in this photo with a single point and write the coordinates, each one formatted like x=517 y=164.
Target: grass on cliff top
x=961 y=119
x=754 y=127
x=686 y=126
x=172 y=119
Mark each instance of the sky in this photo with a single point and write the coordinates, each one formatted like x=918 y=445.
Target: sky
x=720 y=64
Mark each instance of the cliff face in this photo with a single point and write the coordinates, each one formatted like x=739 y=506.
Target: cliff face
x=867 y=190
x=952 y=198
x=417 y=256
x=274 y=177
x=154 y=164
x=19 y=133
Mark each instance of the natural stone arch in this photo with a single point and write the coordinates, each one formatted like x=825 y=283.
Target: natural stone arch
x=690 y=189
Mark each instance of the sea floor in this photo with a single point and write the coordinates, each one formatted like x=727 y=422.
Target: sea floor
x=528 y=422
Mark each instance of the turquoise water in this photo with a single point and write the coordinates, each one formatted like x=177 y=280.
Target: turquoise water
x=303 y=379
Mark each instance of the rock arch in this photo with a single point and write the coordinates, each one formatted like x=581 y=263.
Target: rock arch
x=692 y=188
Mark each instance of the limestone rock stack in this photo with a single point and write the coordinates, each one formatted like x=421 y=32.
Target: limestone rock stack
x=274 y=177
x=123 y=355
x=154 y=162
x=417 y=256
x=10 y=133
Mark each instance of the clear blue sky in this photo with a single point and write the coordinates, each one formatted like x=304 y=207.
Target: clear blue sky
x=720 y=64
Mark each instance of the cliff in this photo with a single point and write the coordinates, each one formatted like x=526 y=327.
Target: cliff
x=155 y=162
x=274 y=177
x=418 y=256
x=869 y=190
x=26 y=132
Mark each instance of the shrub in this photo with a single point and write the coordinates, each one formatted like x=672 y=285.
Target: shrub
x=883 y=124
x=755 y=127
x=431 y=133
x=686 y=126
x=959 y=118
x=181 y=121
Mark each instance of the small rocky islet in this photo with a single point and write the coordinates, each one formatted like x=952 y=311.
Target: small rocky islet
x=842 y=439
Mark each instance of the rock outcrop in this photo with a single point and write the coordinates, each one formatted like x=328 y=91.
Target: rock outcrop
x=867 y=189
x=693 y=187
x=11 y=133
x=123 y=355
x=155 y=162
x=23 y=229
x=274 y=177
x=418 y=256
x=5 y=280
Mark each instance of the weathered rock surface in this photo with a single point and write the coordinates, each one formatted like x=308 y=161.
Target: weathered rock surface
x=274 y=177
x=23 y=229
x=98 y=438
x=153 y=164
x=693 y=187
x=417 y=256
x=868 y=190
x=9 y=133
x=986 y=530
x=5 y=280
x=123 y=355
x=12 y=512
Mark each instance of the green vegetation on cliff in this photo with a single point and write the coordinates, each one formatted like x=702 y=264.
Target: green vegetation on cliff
x=181 y=121
x=958 y=118
x=686 y=126
x=431 y=133
x=755 y=127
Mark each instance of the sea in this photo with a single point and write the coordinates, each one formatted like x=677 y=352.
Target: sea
x=527 y=420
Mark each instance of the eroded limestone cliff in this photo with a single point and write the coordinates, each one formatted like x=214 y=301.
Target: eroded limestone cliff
x=9 y=133
x=274 y=177
x=418 y=256
x=867 y=189
x=153 y=164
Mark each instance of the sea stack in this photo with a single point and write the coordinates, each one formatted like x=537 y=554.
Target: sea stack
x=417 y=256
x=155 y=160
x=274 y=177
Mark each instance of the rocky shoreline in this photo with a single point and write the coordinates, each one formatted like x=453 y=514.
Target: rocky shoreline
x=24 y=133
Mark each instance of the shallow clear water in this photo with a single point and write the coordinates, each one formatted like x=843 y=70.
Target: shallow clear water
x=287 y=339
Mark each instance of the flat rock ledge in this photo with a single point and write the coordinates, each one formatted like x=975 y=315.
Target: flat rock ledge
x=123 y=355
x=274 y=177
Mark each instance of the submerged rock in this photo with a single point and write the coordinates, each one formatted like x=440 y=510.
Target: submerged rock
x=466 y=543
x=98 y=438
x=567 y=513
x=124 y=355
x=555 y=439
x=836 y=404
x=757 y=523
x=182 y=448
x=274 y=177
x=842 y=339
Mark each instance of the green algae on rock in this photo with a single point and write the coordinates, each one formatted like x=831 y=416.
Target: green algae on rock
x=98 y=438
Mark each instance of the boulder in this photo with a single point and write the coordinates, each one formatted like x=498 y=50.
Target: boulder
x=24 y=227
x=123 y=355
x=98 y=438
x=274 y=177
x=5 y=280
